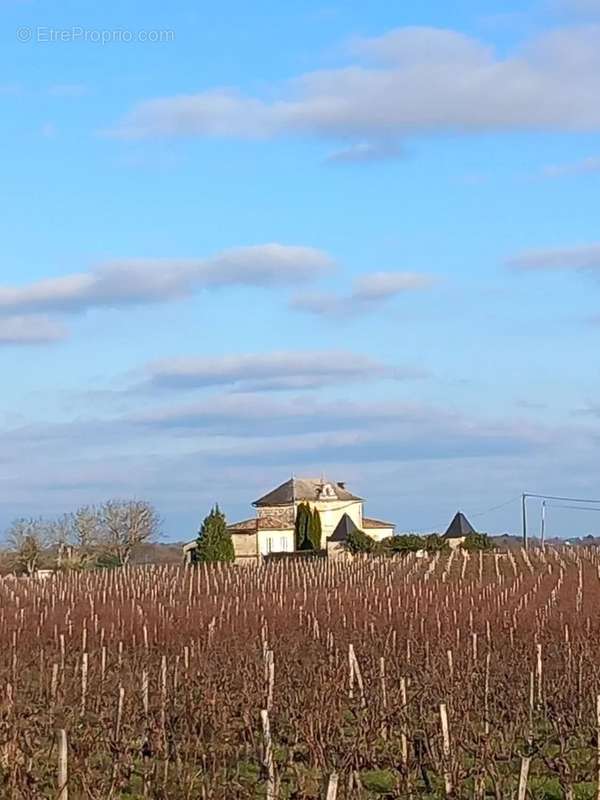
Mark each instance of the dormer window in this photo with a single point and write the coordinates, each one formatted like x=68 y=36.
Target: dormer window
x=327 y=492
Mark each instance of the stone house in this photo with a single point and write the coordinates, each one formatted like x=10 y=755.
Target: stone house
x=271 y=530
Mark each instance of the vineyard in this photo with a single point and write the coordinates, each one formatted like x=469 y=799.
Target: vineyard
x=466 y=676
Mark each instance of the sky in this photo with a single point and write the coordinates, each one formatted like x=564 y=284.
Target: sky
x=351 y=240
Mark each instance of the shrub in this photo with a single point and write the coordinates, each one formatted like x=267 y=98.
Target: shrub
x=436 y=544
x=475 y=542
x=359 y=542
x=104 y=560
x=379 y=781
x=403 y=544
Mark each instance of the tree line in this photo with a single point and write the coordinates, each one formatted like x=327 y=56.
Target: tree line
x=360 y=542
x=104 y=535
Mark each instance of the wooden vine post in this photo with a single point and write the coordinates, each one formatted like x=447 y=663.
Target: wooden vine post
x=523 y=777
x=446 y=749
x=63 y=766
x=404 y=734
x=356 y=673
x=332 y=787
x=268 y=754
x=384 y=702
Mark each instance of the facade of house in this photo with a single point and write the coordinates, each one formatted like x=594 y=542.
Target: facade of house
x=271 y=530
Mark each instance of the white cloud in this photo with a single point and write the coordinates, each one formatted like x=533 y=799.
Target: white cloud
x=272 y=371
x=258 y=430
x=234 y=447
x=381 y=285
x=369 y=291
x=139 y=281
x=25 y=330
x=320 y=303
x=582 y=257
x=408 y=81
x=366 y=153
x=421 y=45
x=262 y=428
x=585 y=166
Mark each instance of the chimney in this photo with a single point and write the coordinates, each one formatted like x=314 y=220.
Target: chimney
x=341 y=484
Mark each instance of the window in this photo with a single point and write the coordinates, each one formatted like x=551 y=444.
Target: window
x=283 y=544
x=327 y=491
x=269 y=545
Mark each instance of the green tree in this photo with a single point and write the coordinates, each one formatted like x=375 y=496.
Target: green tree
x=303 y=527
x=403 y=544
x=436 y=544
x=214 y=540
x=316 y=530
x=360 y=542
x=475 y=542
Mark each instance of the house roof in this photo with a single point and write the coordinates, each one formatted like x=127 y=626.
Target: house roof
x=305 y=489
x=266 y=523
x=459 y=527
x=245 y=526
x=376 y=523
x=343 y=529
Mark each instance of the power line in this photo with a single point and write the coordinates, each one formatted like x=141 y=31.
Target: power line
x=496 y=508
x=563 y=499
x=577 y=508
x=487 y=510
x=527 y=495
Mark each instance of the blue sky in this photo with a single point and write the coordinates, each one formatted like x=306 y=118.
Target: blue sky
x=300 y=238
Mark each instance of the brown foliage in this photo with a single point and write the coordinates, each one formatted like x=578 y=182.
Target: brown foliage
x=190 y=648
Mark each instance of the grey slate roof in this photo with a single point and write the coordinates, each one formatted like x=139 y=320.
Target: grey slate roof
x=459 y=527
x=368 y=522
x=343 y=529
x=299 y=489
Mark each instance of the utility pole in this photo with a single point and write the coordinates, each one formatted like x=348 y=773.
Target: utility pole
x=543 y=530
x=524 y=510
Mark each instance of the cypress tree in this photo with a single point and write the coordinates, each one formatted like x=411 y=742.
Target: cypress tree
x=214 y=540
x=298 y=527
x=302 y=527
x=316 y=530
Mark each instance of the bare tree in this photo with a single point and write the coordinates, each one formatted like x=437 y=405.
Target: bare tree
x=114 y=529
x=75 y=535
x=87 y=526
x=126 y=524
x=27 y=539
x=60 y=534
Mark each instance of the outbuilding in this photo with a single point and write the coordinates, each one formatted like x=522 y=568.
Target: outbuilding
x=458 y=530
